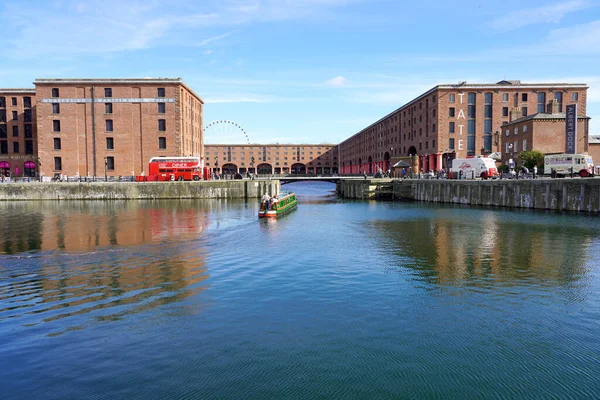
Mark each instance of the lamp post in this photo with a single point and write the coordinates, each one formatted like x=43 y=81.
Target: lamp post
x=105 y=165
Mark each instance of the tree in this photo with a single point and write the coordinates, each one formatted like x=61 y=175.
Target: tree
x=531 y=158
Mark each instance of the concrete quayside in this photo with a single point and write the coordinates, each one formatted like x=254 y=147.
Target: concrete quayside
x=221 y=189
x=576 y=194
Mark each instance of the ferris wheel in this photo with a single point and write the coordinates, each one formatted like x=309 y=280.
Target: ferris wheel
x=225 y=132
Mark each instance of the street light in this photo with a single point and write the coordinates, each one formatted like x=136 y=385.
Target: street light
x=105 y=165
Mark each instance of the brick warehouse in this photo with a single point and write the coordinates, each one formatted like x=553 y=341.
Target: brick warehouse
x=18 y=133
x=272 y=158
x=89 y=127
x=543 y=132
x=450 y=121
x=92 y=127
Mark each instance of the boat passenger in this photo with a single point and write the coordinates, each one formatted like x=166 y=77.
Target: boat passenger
x=266 y=200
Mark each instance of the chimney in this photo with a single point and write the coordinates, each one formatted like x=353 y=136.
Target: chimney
x=515 y=113
x=553 y=107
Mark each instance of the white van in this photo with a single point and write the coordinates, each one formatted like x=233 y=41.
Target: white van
x=473 y=167
x=582 y=164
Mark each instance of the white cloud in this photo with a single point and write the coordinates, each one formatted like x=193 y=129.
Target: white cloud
x=213 y=39
x=74 y=27
x=551 y=13
x=207 y=52
x=337 y=81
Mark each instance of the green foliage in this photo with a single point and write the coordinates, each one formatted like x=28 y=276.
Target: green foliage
x=531 y=158
x=503 y=168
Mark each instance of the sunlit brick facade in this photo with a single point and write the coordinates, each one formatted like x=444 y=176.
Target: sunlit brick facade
x=96 y=127
x=272 y=158
x=451 y=121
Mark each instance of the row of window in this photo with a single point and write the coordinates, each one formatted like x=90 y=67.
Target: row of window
x=13 y=102
x=110 y=143
x=107 y=92
x=109 y=126
x=109 y=163
x=524 y=97
x=108 y=108
x=514 y=146
x=15 y=131
x=16 y=149
x=27 y=116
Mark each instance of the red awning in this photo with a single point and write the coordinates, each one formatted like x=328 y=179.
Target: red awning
x=29 y=164
x=4 y=164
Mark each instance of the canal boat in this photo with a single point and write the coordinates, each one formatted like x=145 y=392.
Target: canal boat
x=278 y=206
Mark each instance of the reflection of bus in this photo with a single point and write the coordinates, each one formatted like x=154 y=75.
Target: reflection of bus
x=175 y=169
x=473 y=167
x=582 y=164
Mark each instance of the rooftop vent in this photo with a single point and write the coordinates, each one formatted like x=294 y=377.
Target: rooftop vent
x=505 y=82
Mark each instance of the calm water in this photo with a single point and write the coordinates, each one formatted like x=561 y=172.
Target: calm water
x=199 y=299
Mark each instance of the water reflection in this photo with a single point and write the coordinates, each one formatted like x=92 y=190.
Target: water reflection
x=453 y=247
x=94 y=262
x=85 y=226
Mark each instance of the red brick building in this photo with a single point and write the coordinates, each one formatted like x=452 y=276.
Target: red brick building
x=18 y=133
x=544 y=131
x=93 y=127
x=450 y=121
x=272 y=158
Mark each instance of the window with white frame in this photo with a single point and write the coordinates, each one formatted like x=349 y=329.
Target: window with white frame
x=524 y=144
x=516 y=130
x=516 y=147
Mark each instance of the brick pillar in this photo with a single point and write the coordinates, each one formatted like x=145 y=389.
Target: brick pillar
x=553 y=106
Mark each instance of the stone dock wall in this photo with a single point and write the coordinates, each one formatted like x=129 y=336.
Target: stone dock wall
x=577 y=194
x=235 y=189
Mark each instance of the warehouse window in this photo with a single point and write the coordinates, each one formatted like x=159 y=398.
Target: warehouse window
x=109 y=125
x=162 y=125
x=110 y=143
x=107 y=92
x=55 y=92
x=162 y=143
x=57 y=163
x=57 y=143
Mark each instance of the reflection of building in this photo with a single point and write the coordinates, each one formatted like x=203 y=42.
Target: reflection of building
x=272 y=158
x=451 y=121
x=452 y=250
x=93 y=225
x=545 y=132
x=18 y=133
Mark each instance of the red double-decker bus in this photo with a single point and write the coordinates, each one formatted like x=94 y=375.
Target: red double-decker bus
x=174 y=169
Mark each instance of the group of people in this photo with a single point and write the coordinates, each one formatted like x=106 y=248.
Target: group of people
x=269 y=201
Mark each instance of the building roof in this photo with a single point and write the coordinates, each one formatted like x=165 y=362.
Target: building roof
x=543 y=117
x=594 y=139
x=116 y=81
x=16 y=91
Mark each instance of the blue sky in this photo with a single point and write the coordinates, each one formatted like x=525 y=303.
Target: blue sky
x=312 y=71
